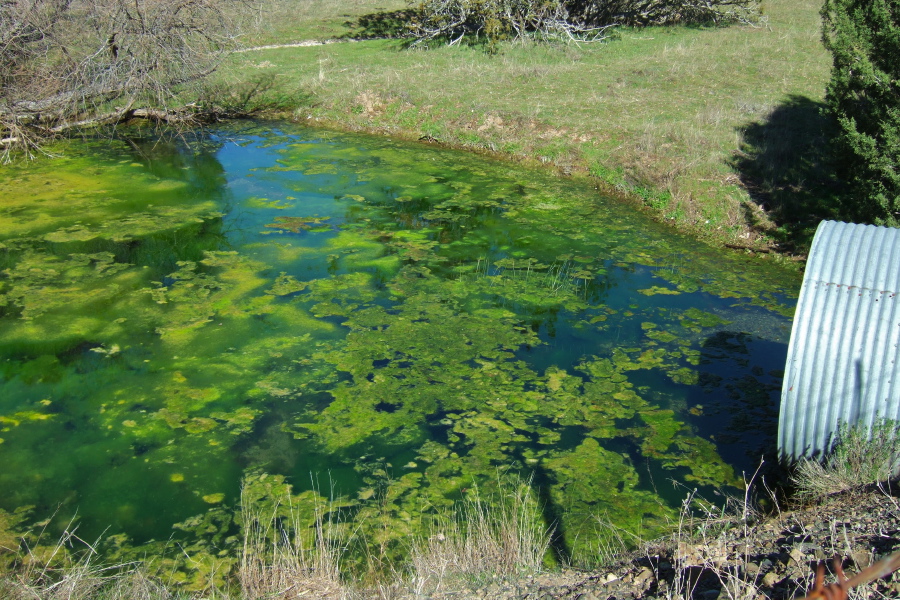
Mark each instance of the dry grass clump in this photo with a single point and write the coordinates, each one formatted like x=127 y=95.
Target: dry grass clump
x=500 y=537
x=56 y=573
x=283 y=560
x=88 y=584
x=703 y=550
x=860 y=456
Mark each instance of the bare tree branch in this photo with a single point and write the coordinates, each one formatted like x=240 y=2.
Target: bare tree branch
x=570 y=20
x=63 y=63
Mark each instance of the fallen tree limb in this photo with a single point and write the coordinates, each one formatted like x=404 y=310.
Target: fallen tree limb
x=186 y=114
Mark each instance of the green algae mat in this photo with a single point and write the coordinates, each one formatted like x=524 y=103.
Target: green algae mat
x=388 y=325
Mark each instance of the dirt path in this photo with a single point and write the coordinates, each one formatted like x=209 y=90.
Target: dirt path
x=303 y=44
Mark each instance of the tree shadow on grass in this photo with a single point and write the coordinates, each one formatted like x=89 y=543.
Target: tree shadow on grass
x=786 y=164
x=380 y=25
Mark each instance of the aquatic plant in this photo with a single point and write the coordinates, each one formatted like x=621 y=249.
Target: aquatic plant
x=413 y=337
x=298 y=224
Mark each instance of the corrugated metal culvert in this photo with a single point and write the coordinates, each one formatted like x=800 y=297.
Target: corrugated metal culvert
x=842 y=358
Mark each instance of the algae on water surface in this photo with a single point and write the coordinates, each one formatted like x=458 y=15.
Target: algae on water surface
x=408 y=321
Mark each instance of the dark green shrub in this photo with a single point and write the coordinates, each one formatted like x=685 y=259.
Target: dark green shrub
x=863 y=37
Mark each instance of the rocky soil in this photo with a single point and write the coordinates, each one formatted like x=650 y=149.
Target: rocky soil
x=769 y=558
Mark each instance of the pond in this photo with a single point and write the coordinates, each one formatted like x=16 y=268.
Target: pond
x=389 y=325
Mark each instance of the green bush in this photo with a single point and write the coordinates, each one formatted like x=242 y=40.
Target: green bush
x=863 y=37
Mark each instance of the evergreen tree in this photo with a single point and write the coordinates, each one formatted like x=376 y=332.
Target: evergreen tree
x=863 y=37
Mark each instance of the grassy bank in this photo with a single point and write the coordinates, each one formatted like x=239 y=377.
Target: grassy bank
x=717 y=130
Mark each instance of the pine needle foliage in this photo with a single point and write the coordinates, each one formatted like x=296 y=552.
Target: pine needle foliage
x=863 y=37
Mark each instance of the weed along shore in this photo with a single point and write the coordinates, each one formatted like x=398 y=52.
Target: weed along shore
x=505 y=317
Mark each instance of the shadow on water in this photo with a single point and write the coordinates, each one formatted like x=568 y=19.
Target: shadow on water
x=737 y=399
x=552 y=516
x=787 y=166
x=190 y=157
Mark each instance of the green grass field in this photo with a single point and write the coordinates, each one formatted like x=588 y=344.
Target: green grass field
x=717 y=130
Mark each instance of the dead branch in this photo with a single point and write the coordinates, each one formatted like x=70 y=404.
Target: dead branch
x=567 y=20
x=839 y=590
x=746 y=247
x=67 y=63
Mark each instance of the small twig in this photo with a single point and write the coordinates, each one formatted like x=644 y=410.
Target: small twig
x=751 y=248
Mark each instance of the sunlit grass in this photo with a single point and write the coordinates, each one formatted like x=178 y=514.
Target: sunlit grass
x=660 y=113
x=485 y=539
x=282 y=558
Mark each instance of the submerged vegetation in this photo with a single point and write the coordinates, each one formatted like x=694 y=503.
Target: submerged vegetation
x=274 y=303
